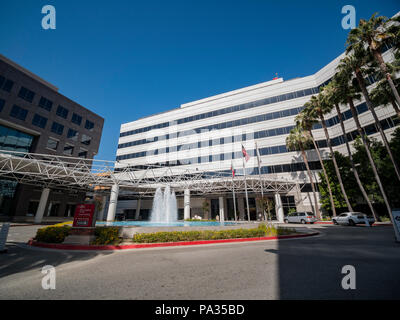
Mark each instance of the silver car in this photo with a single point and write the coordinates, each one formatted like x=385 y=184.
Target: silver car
x=352 y=218
x=300 y=217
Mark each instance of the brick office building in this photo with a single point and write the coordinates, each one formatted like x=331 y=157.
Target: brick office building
x=36 y=118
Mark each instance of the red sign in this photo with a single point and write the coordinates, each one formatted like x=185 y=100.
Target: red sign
x=83 y=217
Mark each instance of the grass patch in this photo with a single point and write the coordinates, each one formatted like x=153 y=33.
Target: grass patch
x=176 y=236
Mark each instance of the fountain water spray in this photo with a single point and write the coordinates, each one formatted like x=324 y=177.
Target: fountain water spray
x=164 y=206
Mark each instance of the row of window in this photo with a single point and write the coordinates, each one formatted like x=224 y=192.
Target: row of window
x=244 y=106
x=368 y=130
x=40 y=121
x=28 y=95
x=68 y=150
x=228 y=124
x=14 y=140
x=361 y=108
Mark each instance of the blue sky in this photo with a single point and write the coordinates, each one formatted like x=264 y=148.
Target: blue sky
x=126 y=59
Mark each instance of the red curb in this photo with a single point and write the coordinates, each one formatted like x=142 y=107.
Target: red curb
x=163 y=244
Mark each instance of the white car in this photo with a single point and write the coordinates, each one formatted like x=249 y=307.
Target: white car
x=352 y=218
x=300 y=217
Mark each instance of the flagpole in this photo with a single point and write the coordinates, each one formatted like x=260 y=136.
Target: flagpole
x=261 y=181
x=233 y=190
x=247 y=197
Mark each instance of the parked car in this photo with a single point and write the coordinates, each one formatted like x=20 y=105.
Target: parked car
x=300 y=217
x=352 y=218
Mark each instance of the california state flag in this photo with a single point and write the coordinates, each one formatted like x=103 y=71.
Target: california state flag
x=245 y=154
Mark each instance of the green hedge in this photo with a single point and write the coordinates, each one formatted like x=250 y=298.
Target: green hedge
x=176 y=236
x=104 y=235
x=52 y=234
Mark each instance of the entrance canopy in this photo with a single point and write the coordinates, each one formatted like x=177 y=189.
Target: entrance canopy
x=62 y=172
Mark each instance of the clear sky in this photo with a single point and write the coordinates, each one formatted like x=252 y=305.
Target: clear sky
x=125 y=59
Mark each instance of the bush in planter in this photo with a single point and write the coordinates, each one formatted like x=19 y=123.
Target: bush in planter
x=52 y=234
x=106 y=235
x=176 y=236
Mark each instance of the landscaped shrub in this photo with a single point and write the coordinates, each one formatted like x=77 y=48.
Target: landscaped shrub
x=176 y=236
x=52 y=234
x=106 y=235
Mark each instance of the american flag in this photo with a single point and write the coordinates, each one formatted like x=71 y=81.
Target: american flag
x=245 y=154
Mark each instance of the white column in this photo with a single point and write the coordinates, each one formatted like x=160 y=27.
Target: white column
x=138 y=204
x=221 y=209
x=42 y=205
x=112 y=207
x=186 y=204
x=279 y=207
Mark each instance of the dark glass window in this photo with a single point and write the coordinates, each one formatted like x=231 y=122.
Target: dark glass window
x=6 y=84
x=57 y=128
x=39 y=121
x=68 y=149
x=62 y=112
x=2 y=103
x=72 y=134
x=82 y=153
x=26 y=94
x=13 y=140
x=89 y=125
x=52 y=144
x=18 y=112
x=45 y=103
x=77 y=119
x=85 y=139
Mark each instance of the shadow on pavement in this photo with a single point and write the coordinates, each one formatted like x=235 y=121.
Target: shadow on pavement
x=19 y=259
x=311 y=268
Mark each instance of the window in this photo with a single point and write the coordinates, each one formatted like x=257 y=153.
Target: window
x=52 y=144
x=57 y=128
x=82 y=153
x=86 y=139
x=14 y=140
x=45 y=103
x=68 y=149
x=77 y=119
x=2 y=103
x=89 y=125
x=39 y=121
x=62 y=112
x=26 y=94
x=72 y=134
x=6 y=84
x=18 y=112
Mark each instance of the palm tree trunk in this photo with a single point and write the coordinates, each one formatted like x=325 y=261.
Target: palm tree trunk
x=361 y=82
x=395 y=107
x=371 y=160
x=382 y=65
x=328 y=140
x=325 y=175
x=364 y=193
x=303 y=153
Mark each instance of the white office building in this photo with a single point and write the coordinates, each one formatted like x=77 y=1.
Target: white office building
x=207 y=135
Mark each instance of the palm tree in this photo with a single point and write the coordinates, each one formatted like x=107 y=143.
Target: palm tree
x=383 y=95
x=356 y=62
x=374 y=33
x=338 y=91
x=319 y=107
x=299 y=139
x=306 y=122
x=345 y=69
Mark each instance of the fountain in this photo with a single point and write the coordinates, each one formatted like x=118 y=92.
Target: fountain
x=164 y=206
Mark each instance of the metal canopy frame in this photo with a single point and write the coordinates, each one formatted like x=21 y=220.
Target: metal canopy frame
x=78 y=174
